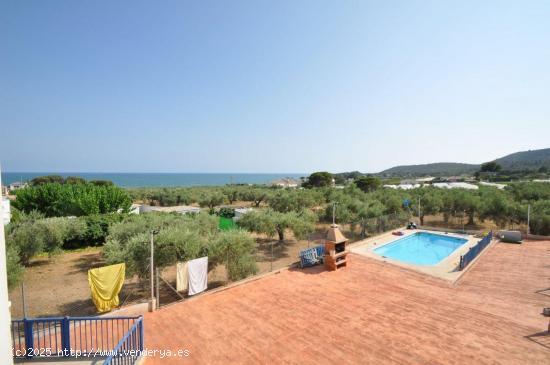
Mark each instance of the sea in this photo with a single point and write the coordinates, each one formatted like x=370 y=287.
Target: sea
x=139 y=179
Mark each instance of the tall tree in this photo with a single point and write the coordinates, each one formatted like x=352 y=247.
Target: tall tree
x=492 y=166
x=368 y=183
x=273 y=223
x=319 y=179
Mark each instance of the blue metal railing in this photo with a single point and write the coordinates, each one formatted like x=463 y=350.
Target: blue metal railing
x=474 y=251
x=74 y=336
x=129 y=348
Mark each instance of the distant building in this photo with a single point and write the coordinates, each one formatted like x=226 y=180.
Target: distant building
x=424 y=180
x=455 y=178
x=495 y=185
x=239 y=212
x=442 y=185
x=17 y=185
x=403 y=186
x=182 y=209
x=456 y=185
x=6 y=210
x=286 y=183
x=135 y=209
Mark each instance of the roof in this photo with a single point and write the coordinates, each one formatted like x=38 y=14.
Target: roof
x=335 y=235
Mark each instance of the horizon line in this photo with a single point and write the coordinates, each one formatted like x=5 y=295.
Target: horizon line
x=148 y=172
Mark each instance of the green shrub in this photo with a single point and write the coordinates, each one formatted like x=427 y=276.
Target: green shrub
x=235 y=249
x=179 y=238
x=28 y=239
x=57 y=200
x=14 y=268
x=226 y=212
x=31 y=237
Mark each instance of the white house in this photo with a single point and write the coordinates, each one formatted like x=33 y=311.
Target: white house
x=135 y=209
x=286 y=183
x=6 y=210
x=456 y=185
x=5 y=304
x=425 y=180
x=239 y=212
x=182 y=209
x=17 y=185
x=495 y=185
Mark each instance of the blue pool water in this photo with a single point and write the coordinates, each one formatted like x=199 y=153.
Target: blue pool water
x=421 y=248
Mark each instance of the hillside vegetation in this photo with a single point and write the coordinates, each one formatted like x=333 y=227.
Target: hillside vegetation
x=433 y=169
x=526 y=160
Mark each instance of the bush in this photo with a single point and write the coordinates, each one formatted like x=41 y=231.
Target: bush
x=272 y=223
x=28 y=240
x=180 y=238
x=57 y=200
x=235 y=249
x=14 y=268
x=91 y=230
x=227 y=212
x=34 y=235
x=319 y=179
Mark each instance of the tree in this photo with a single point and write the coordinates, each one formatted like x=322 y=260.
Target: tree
x=319 y=179
x=13 y=266
x=180 y=238
x=231 y=193
x=496 y=206
x=33 y=237
x=271 y=222
x=368 y=183
x=235 y=250
x=466 y=201
x=492 y=166
x=56 y=200
x=294 y=200
x=101 y=182
x=255 y=195
x=74 y=180
x=430 y=203
x=48 y=179
x=211 y=199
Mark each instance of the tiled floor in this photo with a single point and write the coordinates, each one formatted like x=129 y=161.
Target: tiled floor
x=369 y=313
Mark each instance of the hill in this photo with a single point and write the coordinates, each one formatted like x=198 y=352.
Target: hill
x=433 y=169
x=526 y=160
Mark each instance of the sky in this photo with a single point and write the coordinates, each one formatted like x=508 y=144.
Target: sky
x=270 y=86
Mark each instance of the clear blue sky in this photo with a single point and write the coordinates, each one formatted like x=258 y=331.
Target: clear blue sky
x=270 y=86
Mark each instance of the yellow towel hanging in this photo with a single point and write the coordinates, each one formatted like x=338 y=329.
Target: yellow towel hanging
x=105 y=284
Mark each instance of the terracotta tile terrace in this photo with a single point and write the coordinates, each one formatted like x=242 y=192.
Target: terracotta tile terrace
x=370 y=313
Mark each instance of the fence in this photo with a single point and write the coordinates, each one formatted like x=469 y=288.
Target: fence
x=381 y=224
x=129 y=348
x=72 y=336
x=474 y=251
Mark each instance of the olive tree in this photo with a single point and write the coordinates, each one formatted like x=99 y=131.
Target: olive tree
x=271 y=223
x=234 y=249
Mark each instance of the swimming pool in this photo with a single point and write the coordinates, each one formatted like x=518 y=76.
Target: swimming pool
x=421 y=248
